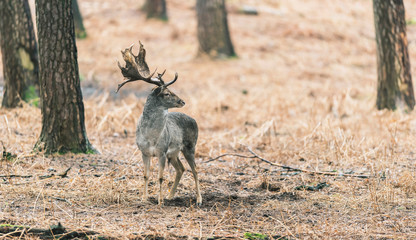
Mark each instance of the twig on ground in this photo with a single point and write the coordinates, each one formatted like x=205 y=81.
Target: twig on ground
x=27 y=155
x=53 y=232
x=2 y=144
x=229 y=154
x=255 y=155
x=62 y=200
x=11 y=233
x=16 y=176
x=62 y=175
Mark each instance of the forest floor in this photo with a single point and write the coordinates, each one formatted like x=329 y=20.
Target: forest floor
x=301 y=93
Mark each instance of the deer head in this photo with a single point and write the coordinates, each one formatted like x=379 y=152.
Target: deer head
x=136 y=69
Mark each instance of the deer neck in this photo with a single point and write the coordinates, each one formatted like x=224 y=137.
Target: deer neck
x=153 y=119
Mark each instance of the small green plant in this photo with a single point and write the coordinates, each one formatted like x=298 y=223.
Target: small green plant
x=31 y=96
x=411 y=21
x=7 y=156
x=91 y=151
x=12 y=226
x=81 y=34
x=254 y=236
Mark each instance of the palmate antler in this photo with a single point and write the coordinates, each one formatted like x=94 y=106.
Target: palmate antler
x=136 y=69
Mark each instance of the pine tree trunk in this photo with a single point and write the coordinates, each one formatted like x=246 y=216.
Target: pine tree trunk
x=213 y=34
x=19 y=53
x=79 y=24
x=156 y=9
x=63 y=127
x=395 y=89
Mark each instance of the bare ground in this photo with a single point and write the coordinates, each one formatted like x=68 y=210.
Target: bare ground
x=301 y=93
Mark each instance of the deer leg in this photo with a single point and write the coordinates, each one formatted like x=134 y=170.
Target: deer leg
x=179 y=171
x=162 y=163
x=146 y=161
x=190 y=158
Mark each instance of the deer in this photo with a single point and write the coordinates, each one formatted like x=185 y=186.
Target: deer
x=160 y=133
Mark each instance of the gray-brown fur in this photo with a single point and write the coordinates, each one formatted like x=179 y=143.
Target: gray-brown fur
x=160 y=133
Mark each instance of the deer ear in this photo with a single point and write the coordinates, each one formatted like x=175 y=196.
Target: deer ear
x=158 y=90
x=162 y=89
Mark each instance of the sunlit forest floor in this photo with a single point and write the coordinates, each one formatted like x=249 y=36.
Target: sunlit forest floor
x=301 y=93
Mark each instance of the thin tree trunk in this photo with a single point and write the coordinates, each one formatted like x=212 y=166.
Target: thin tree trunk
x=213 y=34
x=395 y=88
x=19 y=53
x=80 y=31
x=63 y=127
x=156 y=9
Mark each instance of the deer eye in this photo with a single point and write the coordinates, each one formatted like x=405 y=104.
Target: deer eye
x=166 y=94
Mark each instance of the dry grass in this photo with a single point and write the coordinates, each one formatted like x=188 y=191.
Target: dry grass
x=301 y=93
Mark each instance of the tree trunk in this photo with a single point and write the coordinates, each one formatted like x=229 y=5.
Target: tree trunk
x=156 y=9
x=19 y=53
x=395 y=89
x=79 y=25
x=63 y=127
x=213 y=35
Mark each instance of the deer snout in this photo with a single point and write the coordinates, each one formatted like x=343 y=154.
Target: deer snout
x=181 y=102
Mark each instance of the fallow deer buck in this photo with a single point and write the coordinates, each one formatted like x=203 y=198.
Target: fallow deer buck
x=160 y=133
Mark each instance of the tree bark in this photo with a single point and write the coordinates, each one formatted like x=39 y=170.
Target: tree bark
x=19 y=53
x=80 y=31
x=156 y=9
x=394 y=88
x=213 y=34
x=63 y=127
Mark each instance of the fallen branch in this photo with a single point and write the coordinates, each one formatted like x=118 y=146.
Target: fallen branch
x=62 y=200
x=229 y=154
x=62 y=175
x=16 y=176
x=289 y=168
x=53 y=232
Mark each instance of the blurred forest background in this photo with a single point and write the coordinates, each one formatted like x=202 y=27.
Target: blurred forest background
x=299 y=90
